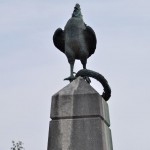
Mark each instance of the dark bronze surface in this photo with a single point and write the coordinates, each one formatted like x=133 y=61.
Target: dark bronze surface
x=78 y=41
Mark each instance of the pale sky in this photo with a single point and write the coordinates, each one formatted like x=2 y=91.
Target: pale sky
x=32 y=69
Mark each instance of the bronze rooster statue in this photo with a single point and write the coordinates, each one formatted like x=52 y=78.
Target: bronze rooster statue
x=76 y=41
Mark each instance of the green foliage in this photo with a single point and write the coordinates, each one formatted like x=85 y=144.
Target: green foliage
x=17 y=146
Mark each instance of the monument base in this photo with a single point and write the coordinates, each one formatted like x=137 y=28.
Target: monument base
x=79 y=134
x=80 y=119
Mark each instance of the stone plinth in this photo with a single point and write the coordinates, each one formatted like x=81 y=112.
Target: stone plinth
x=80 y=119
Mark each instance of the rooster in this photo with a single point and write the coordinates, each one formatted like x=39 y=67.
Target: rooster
x=76 y=41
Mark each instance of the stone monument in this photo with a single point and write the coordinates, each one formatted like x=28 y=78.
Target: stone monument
x=80 y=115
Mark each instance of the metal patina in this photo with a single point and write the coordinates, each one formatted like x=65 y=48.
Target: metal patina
x=78 y=41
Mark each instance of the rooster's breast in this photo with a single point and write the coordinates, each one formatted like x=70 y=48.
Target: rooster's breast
x=75 y=43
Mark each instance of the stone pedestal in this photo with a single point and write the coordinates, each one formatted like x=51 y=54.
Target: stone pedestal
x=80 y=119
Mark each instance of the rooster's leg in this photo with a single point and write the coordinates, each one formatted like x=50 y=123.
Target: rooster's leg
x=71 y=78
x=84 y=61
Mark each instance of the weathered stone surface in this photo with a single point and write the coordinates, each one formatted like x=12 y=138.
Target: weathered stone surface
x=80 y=119
x=79 y=134
x=104 y=111
x=79 y=99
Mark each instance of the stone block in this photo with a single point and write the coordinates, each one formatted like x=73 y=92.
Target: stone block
x=78 y=100
x=79 y=134
x=80 y=119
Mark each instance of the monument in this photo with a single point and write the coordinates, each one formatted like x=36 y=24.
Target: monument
x=80 y=115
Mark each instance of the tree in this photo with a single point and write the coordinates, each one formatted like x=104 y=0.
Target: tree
x=17 y=146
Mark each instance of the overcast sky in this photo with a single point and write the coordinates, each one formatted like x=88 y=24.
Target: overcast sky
x=32 y=69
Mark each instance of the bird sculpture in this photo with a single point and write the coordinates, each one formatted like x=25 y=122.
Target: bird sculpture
x=76 y=41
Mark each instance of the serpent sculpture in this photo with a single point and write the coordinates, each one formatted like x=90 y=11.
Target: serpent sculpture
x=78 y=41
